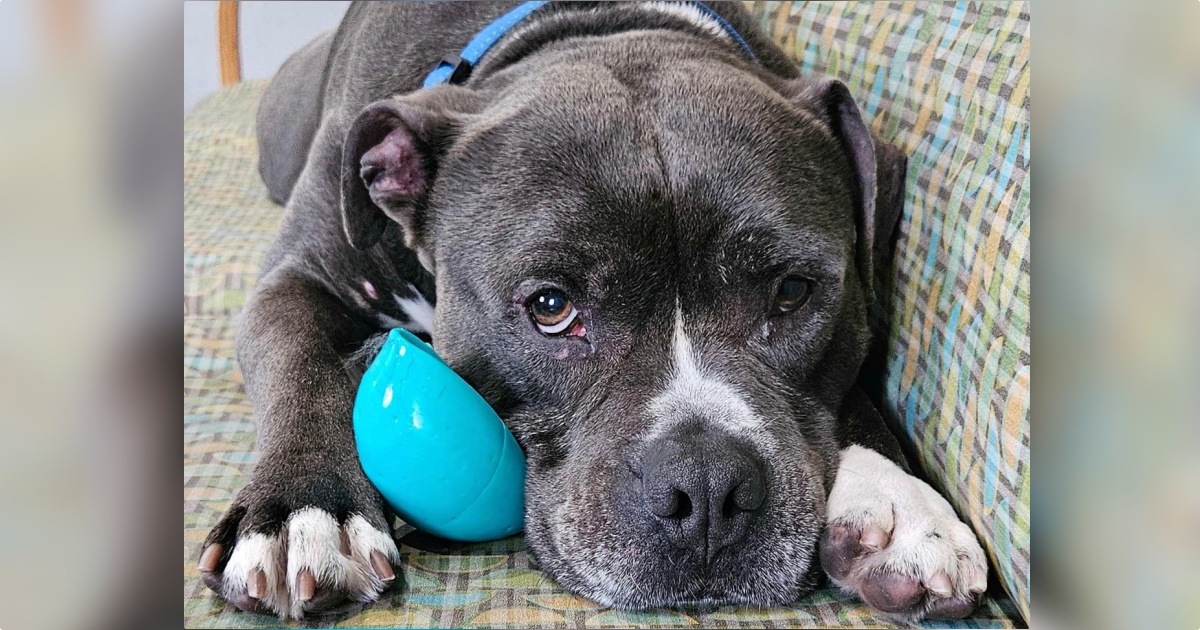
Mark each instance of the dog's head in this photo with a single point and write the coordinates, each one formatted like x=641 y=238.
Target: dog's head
x=661 y=280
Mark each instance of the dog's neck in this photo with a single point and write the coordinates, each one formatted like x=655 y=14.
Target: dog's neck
x=560 y=21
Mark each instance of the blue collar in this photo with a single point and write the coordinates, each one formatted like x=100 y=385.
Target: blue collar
x=455 y=68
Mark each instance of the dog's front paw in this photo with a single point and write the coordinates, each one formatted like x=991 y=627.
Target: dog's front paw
x=896 y=543
x=300 y=546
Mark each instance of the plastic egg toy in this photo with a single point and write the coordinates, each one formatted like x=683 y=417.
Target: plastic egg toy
x=437 y=452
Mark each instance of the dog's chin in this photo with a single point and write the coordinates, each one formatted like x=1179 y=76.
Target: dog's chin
x=767 y=575
x=625 y=599
x=684 y=603
x=635 y=595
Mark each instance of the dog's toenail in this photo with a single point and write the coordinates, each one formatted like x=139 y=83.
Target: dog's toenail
x=209 y=557
x=940 y=585
x=257 y=584
x=383 y=568
x=306 y=585
x=873 y=538
x=979 y=584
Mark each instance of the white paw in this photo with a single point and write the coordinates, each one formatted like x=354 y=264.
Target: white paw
x=896 y=543
x=310 y=565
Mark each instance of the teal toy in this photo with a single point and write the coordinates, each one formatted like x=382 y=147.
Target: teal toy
x=434 y=448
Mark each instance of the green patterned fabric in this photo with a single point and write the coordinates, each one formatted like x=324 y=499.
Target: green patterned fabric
x=228 y=220
x=958 y=105
x=949 y=83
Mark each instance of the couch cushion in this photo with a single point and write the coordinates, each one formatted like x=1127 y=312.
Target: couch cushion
x=228 y=221
x=949 y=83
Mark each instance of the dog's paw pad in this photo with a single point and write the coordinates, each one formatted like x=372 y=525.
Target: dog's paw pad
x=951 y=607
x=897 y=543
x=840 y=549
x=891 y=592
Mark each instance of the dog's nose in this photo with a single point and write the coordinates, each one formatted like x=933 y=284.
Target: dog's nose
x=703 y=486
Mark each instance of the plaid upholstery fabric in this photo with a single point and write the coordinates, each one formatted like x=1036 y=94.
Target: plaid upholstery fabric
x=229 y=221
x=949 y=83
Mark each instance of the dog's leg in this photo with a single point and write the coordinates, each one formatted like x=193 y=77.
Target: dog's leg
x=308 y=531
x=289 y=115
x=890 y=538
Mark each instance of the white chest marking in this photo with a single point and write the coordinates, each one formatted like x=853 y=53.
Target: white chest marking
x=419 y=312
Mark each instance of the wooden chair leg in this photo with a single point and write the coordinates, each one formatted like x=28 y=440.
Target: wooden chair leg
x=228 y=49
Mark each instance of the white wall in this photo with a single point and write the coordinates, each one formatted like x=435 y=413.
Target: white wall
x=17 y=35
x=270 y=32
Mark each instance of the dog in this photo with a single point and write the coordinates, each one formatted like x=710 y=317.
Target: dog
x=651 y=245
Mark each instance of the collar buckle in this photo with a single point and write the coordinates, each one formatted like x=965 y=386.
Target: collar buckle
x=460 y=68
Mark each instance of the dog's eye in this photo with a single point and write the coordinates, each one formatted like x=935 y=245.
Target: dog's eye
x=554 y=314
x=793 y=292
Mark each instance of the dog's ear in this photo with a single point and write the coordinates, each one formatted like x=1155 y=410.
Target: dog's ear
x=390 y=160
x=879 y=170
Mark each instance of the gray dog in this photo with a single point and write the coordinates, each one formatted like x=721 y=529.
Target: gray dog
x=655 y=250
